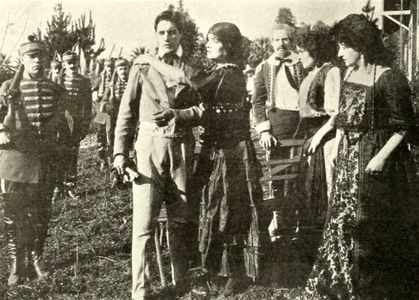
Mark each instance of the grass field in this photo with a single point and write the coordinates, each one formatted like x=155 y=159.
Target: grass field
x=89 y=251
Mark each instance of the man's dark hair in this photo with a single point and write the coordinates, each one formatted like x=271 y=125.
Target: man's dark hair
x=172 y=16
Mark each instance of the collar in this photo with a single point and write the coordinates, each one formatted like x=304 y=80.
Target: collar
x=178 y=52
x=293 y=57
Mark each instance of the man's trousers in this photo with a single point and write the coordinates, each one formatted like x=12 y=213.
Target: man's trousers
x=165 y=165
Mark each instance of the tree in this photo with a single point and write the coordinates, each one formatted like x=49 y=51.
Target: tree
x=58 y=37
x=63 y=34
x=193 y=42
x=260 y=47
x=285 y=16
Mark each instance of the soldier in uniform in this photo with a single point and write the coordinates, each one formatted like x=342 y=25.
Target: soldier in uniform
x=112 y=98
x=55 y=70
x=28 y=138
x=102 y=119
x=78 y=102
x=166 y=109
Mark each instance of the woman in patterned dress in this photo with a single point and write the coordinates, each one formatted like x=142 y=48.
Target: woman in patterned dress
x=369 y=246
x=228 y=167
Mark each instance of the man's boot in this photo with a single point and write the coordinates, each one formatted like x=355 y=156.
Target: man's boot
x=16 y=251
x=40 y=221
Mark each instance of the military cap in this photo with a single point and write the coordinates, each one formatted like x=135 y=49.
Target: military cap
x=69 y=56
x=109 y=62
x=55 y=63
x=31 y=46
x=121 y=62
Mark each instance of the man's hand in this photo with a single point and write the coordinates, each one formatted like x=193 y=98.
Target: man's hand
x=4 y=138
x=163 y=117
x=119 y=163
x=267 y=141
x=143 y=59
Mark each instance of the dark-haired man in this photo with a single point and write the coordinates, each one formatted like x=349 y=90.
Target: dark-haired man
x=166 y=110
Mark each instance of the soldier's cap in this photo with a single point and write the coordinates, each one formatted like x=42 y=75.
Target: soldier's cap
x=121 y=62
x=70 y=56
x=55 y=63
x=109 y=62
x=31 y=46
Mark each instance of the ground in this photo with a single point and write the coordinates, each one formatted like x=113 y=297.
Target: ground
x=88 y=250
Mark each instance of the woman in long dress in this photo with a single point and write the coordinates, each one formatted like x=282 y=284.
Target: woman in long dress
x=369 y=245
x=318 y=102
x=231 y=194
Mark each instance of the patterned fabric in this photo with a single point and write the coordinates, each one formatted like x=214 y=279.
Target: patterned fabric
x=78 y=101
x=119 y=89
x=369 y=246
x=40 y=102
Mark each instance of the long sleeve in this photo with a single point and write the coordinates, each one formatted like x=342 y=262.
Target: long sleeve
x=259 y=99
x=397 y=106
x=128 y=113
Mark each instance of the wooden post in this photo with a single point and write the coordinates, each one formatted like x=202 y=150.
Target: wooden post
x=414 y=36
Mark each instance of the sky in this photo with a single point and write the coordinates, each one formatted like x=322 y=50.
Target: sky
x=129 y=23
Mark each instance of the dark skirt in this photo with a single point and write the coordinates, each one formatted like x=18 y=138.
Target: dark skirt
x=229 y=210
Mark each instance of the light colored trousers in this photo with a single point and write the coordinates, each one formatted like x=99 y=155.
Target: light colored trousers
x=165 y=165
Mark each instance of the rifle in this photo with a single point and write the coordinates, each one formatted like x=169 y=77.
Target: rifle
x=12 y=98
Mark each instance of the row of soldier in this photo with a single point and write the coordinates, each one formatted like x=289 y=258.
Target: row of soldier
x=45 y=168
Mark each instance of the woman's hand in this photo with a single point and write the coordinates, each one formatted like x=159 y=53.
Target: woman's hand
x=4 y=138
x=375 y=165
x=315 y=142
x=267 y=140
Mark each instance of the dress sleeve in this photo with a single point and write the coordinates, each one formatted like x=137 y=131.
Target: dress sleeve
x=332 y=91
x=397 y=106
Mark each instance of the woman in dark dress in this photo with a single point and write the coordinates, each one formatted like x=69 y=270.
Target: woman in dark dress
x=318 y=102
x=231 y=194
x=369 y=246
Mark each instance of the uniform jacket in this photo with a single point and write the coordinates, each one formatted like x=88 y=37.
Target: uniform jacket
x=110 y=105
x=42 y=103
x=78 y=102
x=147 y=93
x=263 y=98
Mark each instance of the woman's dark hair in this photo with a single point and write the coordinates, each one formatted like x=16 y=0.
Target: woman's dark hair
x=229 y=35
x=172 y=16
x=360 y=33
x=319 y=44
